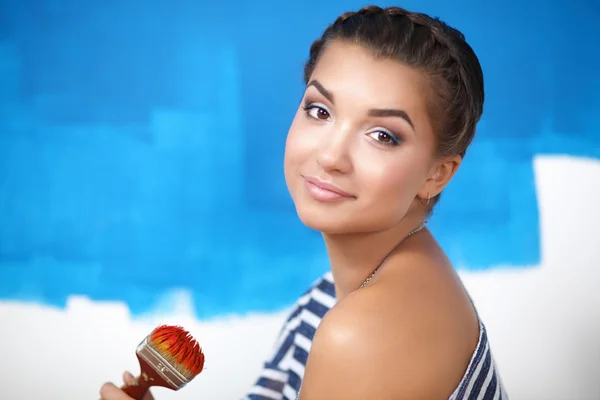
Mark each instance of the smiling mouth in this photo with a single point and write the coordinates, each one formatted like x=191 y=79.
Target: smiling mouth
x=323 y=191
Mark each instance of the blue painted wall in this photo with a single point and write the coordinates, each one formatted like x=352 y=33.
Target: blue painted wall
x=141 y=143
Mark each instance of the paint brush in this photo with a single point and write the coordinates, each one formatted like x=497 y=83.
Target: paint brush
x=169 y=357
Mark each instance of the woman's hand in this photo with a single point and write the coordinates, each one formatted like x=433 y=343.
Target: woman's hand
x=109 y=391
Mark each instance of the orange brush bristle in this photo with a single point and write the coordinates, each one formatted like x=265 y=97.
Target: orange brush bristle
x=169 y=357
x=179 y=348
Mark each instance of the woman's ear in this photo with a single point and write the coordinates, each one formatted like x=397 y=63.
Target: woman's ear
x=440 y=174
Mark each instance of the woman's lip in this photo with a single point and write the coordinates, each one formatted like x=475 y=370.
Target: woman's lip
x=325 y=191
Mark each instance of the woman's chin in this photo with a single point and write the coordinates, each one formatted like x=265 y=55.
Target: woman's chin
x=324 y=222
x=342 y=221
x=328 y=221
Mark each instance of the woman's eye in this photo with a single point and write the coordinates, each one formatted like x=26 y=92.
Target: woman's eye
x=317 y=112
x=384 y=137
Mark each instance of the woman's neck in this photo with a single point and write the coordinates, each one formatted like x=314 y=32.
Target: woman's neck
x=353 y=257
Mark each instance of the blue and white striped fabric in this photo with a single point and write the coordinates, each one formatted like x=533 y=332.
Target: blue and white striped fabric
x=282 y=374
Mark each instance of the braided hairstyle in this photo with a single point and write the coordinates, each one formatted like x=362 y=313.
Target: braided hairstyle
x=430 y=45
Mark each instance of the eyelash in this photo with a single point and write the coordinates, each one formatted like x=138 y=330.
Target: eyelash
x=308 y=107
x=394 y=140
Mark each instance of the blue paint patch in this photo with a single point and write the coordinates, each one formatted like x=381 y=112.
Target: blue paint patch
x=129 y=155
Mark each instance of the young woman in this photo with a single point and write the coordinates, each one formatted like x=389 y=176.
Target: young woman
x=391 y=103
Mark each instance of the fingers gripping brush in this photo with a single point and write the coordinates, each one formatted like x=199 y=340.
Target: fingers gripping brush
x=169 y=357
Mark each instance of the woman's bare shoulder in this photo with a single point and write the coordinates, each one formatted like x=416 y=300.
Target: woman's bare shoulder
x=409 y=335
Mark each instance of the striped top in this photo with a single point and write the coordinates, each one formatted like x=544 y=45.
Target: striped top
x=282 y=374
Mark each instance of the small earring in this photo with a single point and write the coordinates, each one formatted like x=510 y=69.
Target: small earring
x=428 y=199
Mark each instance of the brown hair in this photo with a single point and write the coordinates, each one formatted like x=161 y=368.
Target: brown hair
x=429 y=45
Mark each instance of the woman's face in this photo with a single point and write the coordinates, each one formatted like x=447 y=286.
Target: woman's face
x=360 y=148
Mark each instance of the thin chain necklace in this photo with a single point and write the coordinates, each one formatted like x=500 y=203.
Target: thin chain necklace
x=366 y=282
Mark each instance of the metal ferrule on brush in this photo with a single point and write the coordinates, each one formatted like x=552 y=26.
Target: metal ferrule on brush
x=160 y=365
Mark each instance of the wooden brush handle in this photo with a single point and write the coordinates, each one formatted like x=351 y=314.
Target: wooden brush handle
x=148 y=378
x=137 y=389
